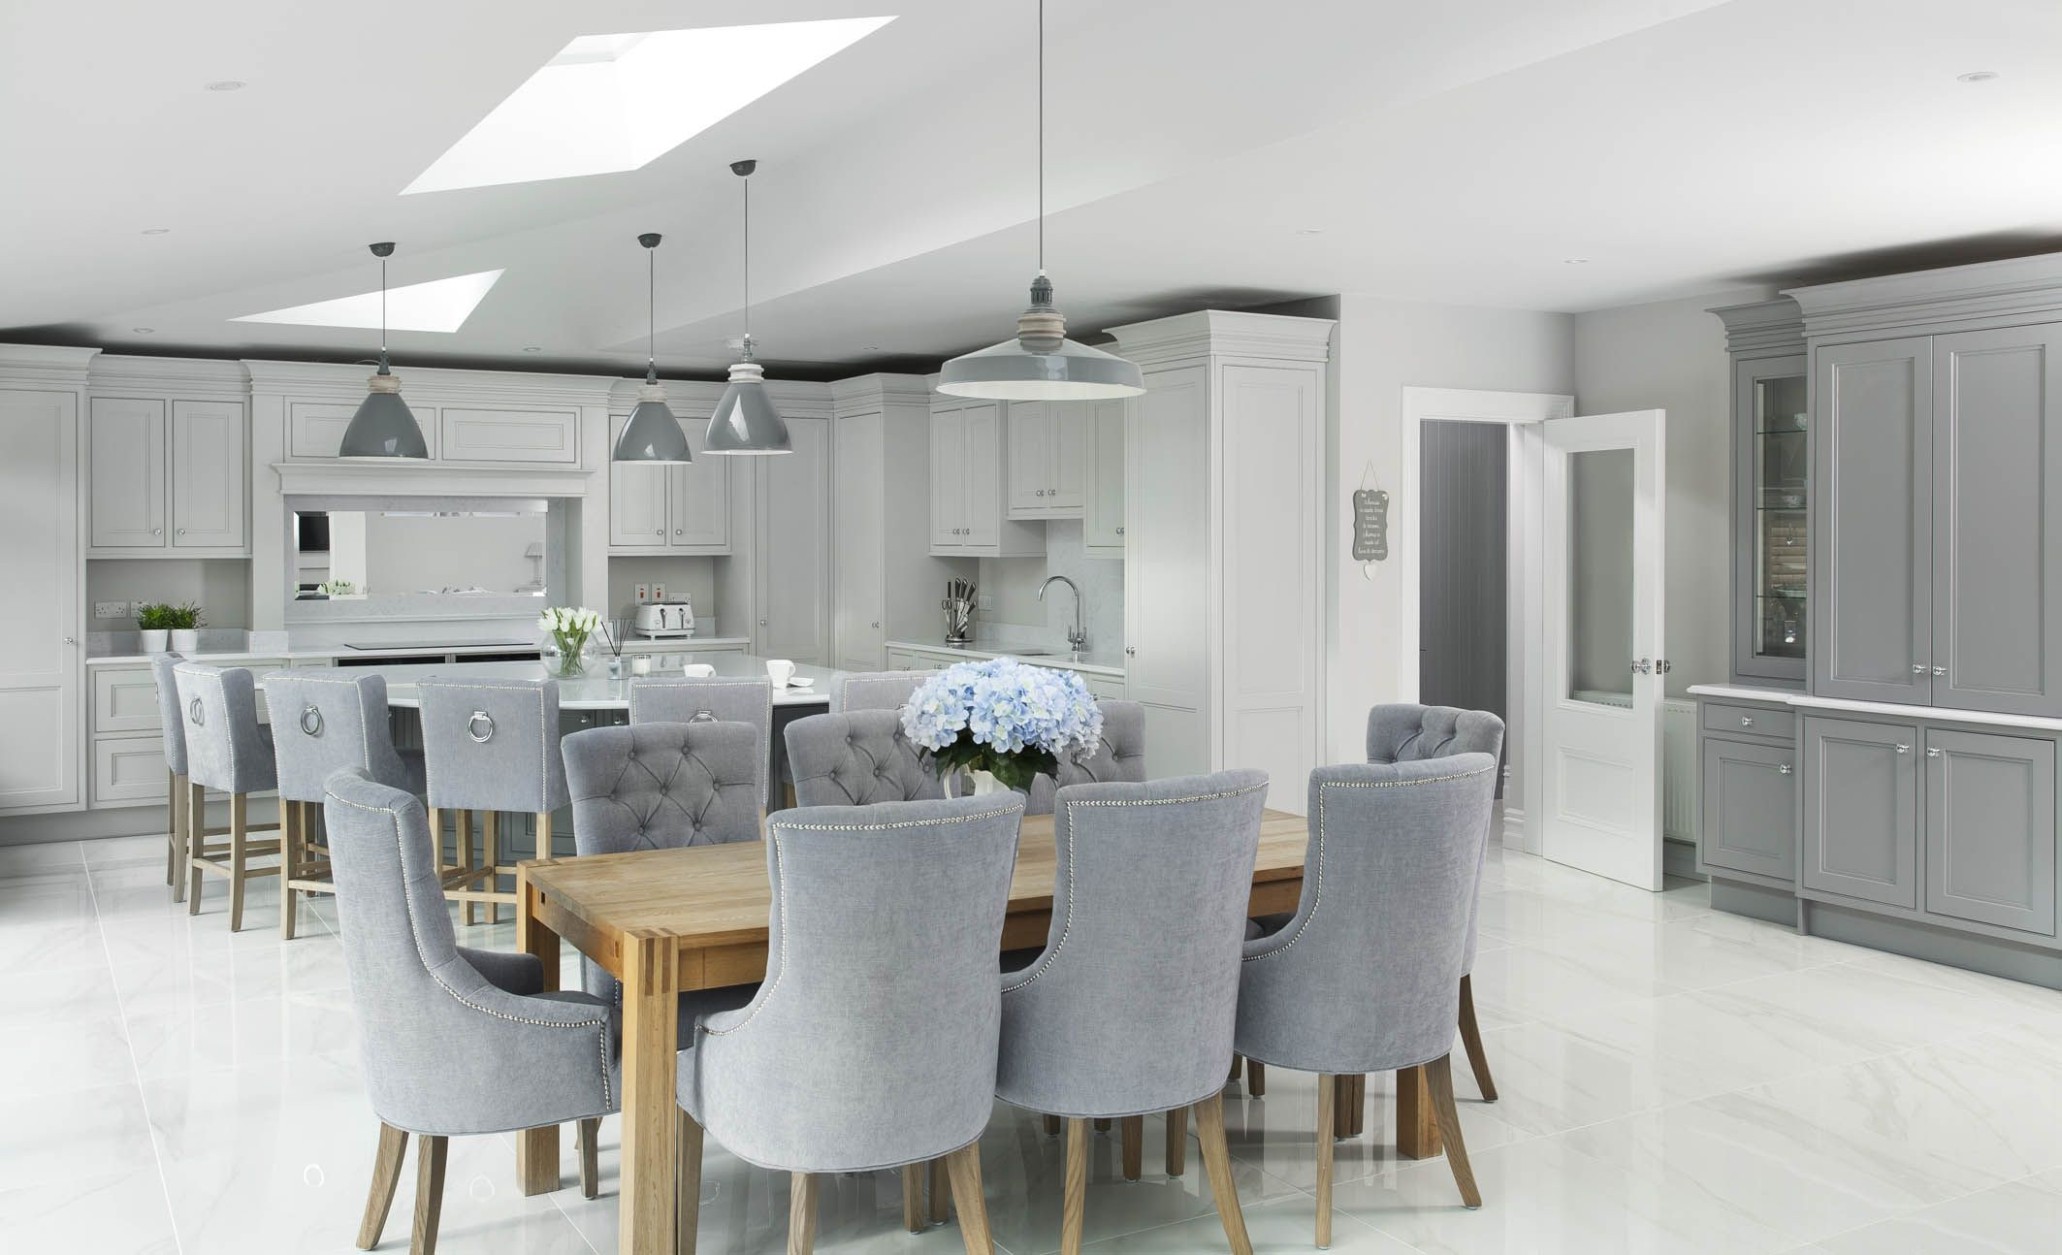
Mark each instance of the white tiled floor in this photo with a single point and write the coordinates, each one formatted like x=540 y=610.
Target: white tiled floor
x=1673 y=1079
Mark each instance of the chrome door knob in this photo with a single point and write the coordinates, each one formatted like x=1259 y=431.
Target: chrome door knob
x=1903 y=749
x=1940 y=670
x=157 y=531
x=1918 y=668
x=1784 y=769
x=1933 y=752
x=1746 y=721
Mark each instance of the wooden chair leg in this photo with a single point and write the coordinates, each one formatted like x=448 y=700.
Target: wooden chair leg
x=1327 y=1117
x=1236 y=1061
x=1471 y=1037
x=940 y=1190
x=196 y=842
x=462 y=850
x=964 y=1166
x=1217 y=1162
x=1256 y=1079
x=238 y=859
x=913 y=1197
x=1439 y=1079
x=436 y=818
x=1102 y=1126
x=290 y=820
x=386 y=1174
x=587 y=1139
x=1134 y=1136
x=801 y=1214
x=1053 y=1127
x=174 y=872
x=182 y=834
x=490 y=841
x=1417 y=1120
x=429 y=1193
x=687 y=1184
x=1074 y=1193
x=1177 y=1141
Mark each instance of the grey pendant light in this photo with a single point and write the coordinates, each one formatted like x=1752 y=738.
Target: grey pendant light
x=745 y=420
x=652 y=434
x=383 y=427
x=1041 y=363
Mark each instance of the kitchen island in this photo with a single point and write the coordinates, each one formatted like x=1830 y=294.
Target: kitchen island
x=597 y=690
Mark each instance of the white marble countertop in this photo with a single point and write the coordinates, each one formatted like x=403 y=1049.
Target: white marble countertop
x=1742 y=693
x=318 y=653
x=1094 y=662
x=1880 y=710
x=595 y=690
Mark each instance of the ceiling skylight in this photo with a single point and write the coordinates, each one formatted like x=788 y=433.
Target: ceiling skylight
x=439 y=305
x=607 y=103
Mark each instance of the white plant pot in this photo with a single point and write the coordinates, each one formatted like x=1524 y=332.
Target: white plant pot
x=154 y=640
x=984 y=783
x=185 y=640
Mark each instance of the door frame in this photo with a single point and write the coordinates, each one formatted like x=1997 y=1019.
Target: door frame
x=1525 y=570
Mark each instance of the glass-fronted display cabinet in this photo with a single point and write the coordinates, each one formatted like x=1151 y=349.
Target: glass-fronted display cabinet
x=1771 y=492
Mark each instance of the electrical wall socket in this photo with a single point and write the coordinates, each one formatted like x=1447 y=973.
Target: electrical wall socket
x=658 y=592
x=984 y=601
x=644 y=593
x=110 y=609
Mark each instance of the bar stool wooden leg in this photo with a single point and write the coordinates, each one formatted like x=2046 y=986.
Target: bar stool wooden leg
x=801 y=1214
x=1217 y=1162
x=964 y=1166
x=1471 y=1037
x=687 y=1184
x=386 y=1174
x=543 y=834
x=587 y=1133
x=291 y=817
x=430 y=1153
x=172 y=809
x=1177 y=1141
x=941 y=1188
x=912 y=1197
x=490 y=852
x=1074 y=1191
x=196 y=842
x=180 y=838
x=463 y=848
x=237 y=860
x=436 y=818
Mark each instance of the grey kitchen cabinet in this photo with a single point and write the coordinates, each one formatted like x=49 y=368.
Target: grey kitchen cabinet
x=1997 y=521
x=1748 y=792
x=1873 y=565
x=1990 y=829
x=1771 y=476
x=1861 y=810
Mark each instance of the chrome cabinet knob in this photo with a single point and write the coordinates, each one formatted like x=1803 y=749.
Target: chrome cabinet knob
x=71 y=640
x=1746 y=721
x=1940 y=670
x=1784 y=769
x=1933 y=752
x=179 y=531
x=762 y=623
x=1918 y=668
x=1130 y=651
x=1903 y=749
x=157 y=531
x=1120 y=531
x=679 y=531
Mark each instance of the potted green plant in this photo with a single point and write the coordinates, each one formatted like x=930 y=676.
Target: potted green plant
x=185 y=624
x=153 y=623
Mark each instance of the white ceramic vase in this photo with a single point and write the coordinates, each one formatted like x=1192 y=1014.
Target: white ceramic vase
x=154 y=640
x=984 y=783
x=185 y=640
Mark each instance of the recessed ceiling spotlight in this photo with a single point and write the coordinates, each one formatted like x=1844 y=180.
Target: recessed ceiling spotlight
x=1976 y=76
x=1310 y=230
x=1575 y=261
x=157 y=230
x=533 y=348
x=144 y=331
x=227 y=85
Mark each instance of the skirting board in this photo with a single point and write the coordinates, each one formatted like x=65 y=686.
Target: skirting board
x=1935 y=945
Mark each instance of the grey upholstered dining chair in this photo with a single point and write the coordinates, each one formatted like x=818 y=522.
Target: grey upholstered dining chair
x=687 y=699
x=875 y=690
x=872 y=1043
x=1130 y=1008
x=1366 y=975
x=229 y=751
x=1118 y=758
x=531 y=1058
x=173 y=723
x=332 y=720
x=492 y=747
x=858 y=758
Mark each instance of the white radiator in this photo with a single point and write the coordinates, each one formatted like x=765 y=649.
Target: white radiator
x=1679 y=770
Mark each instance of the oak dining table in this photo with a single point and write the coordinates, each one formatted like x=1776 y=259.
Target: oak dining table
x=664 y=922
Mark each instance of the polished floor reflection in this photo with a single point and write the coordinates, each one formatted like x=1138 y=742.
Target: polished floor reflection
x=1672 y=1079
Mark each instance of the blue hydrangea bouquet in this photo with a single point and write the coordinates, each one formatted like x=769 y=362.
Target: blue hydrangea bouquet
x=1002 y=720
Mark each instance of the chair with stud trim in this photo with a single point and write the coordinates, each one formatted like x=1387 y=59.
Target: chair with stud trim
x=858 y=758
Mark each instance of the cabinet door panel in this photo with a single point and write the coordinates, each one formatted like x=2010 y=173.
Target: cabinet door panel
x=698 y=498
x=1103 y=529
x=1072 y=435
x=525 y=436
x=1861 y=810
x=126 y=473
x=858 y=577
x=41 y=709
x=637 y=499
x=1164 y=571
x=794 y=560
x=1770 y=505
x=982 y=517
x=1990 y=829
x=1997 y=521
x=1030 y=460
x=1872 y=530
x=1749 y=799
x=208 y=479
x=948 y=480
x=129 y=770
x=125 y=699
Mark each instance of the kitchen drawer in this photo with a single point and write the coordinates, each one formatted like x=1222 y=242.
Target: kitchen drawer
x=482 y=435
x=129 y=770
x=1104 y=688
x=1730 y=720
x=125 y=699
x=902 y=660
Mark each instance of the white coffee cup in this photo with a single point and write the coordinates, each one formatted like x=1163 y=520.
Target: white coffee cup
x=697 y=670
x=640 y=664
x=780 y=671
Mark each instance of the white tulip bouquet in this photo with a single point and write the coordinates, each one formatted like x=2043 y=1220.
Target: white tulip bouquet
x=570 y=626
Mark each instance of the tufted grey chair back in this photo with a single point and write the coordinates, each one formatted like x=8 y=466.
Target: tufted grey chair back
x=1404 y=732
x=331 y=721
x=655 y=786
x=875 y=690
x=872 y=1042
x=1130 y=1007
x=169 y=712
x=683 y=699
x=424 y=1003
x=1365 y=977
x=1119 y=758
x=227 y=749
x=492 y=745
x=859 y=758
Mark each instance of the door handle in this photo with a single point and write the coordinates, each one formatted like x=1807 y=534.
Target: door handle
x=1642 y=666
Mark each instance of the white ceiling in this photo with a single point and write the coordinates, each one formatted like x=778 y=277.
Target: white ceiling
x=1454 y=152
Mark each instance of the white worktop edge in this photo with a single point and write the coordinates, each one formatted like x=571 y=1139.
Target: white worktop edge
x=1881 y=710
x=981 y=653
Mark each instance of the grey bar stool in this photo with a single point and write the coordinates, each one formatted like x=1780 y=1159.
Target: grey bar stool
x=875 y=690
x=491 y=746
x=229 y=751
x=328 y=721
x=686 y=699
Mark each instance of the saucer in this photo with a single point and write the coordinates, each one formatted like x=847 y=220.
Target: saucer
x=802 y=682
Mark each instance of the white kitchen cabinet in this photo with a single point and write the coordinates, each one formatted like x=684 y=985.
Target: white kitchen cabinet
x=677 y=510
x=41 y=657
x=125 y=450
x=1102 y=528
x=969 y=477
x=1224 y=575
x=209 y=482
x=777 y=583
x=128 y=771
x=473 y=434
x=1050 y=443
x=125 y=701
x=315 y=429
x=887 y=583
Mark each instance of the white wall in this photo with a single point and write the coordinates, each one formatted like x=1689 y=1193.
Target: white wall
x=1383 y=347
x=1671 y=355
x=1009 y=590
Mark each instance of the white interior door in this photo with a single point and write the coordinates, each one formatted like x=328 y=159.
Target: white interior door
x=1604 y=671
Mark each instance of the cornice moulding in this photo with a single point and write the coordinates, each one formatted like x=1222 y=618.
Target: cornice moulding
x=1775 y=326
x=2019 y=289
x=114 y=372
x=45 y=365
x=864 y=391
x=1226 y=333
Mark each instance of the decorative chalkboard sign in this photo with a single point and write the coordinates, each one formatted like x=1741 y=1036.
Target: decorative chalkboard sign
x=1370 y=525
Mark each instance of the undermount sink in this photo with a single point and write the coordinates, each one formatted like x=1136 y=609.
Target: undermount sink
x=1032 y=653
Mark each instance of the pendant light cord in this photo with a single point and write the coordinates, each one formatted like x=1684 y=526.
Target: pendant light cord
x=1041 y=136
x=383 y=309
x=651 y=311
x=748 y=265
